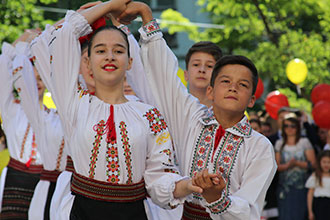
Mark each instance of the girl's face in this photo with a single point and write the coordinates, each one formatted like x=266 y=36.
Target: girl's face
x=290 y=128
x=40 y=85
x=325 y=164
x=109 y=59
x=85 y=71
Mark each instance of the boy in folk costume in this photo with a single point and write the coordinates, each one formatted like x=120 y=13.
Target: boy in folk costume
x=232 y=163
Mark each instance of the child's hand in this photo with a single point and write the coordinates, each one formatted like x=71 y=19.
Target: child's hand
x=88 y=5
x=118 y=6
x=133 y=10
x=212 y=185
x=184 y=188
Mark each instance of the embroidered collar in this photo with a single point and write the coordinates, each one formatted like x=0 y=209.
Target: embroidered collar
x=242 y=128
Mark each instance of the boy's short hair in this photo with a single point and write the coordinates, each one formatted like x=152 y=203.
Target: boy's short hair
x=236 y=59
x=206 y=47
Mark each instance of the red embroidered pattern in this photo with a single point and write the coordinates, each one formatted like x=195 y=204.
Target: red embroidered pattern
x=24 y=140
x=113 y=171
x=151 y=27
x=156 y=121
x=99 y=128
x=17 y=69
x=51 y=59
x=81 y=91
x=168 y=152
x=59 y=156
x=127 y=151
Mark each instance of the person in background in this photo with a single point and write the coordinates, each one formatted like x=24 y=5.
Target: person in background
x=256 y=125
x=266 y=128
x=294 y=156
x=280 y=116
x=200 y=60
x=318 y=184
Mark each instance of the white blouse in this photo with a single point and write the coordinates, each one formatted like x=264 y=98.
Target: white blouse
x=323 y=191
x=16 y=126
x=142 y=149
x=45 y=122
x=244 y=157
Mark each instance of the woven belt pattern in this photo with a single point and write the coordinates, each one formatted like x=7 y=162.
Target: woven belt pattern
x=108 y=192
x=193 y=211
x=69 y=164
x=33 y=169
x=50 y=175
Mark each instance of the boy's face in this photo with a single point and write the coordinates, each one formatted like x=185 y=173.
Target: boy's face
x=199 y=71
x=232 y=89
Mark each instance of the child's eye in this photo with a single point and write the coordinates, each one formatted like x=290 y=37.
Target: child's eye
x=119 y=51
x=210 y=66
x=225 y=81
x=244 y=85
x=100 y=51
x=195 y=64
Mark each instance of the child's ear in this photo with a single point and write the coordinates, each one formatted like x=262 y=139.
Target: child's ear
x=186 y=76
x=252 y=101
x=130 y=61
x=209 y=93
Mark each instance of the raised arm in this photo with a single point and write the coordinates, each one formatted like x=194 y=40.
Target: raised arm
x=7 y=105
x=26 y=84
x=179 y=108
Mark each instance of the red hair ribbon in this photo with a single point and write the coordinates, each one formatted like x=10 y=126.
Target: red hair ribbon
x=96 y=25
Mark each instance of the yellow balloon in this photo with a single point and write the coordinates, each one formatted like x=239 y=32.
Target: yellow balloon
x=47 y=100
x=180 y=74
x=296 y=71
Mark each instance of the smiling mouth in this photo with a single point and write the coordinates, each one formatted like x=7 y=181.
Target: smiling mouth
x=109 y=68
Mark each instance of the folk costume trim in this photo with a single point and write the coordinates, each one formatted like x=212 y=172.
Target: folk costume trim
x=99 y=129
x=202 y=153
x=59 y=156
x=152 y=27
x=24 y=140
x=157 y=123
x=113 y=171
x=82 y=92
x=127 y=151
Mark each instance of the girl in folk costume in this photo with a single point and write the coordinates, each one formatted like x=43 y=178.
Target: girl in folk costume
x=49 y=133
x=20 y=177
x=116 y=145
x=241 y=160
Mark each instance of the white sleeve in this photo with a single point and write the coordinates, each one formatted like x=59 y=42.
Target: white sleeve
x=311 y=181
x=247 y=202
x=65 y=59
x=180 y=109
x=136 y=76
x=161 y=174
x=25 y=82
x=8 y=108
x=41 y=56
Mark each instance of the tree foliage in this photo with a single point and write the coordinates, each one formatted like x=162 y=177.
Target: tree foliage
x=271 y=33
x=18 y=15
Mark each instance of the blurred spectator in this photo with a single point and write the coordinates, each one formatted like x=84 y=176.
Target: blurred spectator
x=318 y=199
x=294 y=156
x=255 y=124
x=280 y=116
x=266 y=129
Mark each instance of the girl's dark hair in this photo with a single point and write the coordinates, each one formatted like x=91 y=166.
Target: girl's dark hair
x=234 y=59
x=107 y=27
x=296 y=122
x=318 y=170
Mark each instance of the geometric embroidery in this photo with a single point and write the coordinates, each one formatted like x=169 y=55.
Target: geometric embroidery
x=113 y=171
x=225 y=161
x=202 y=152
x=168 y=152
x=156 y=121
x=99 y=129
x=151 y=27
x=127 y=151
x=81 y=91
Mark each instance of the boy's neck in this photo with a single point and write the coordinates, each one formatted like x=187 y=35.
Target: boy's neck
x=227 y=119
x=200 y=94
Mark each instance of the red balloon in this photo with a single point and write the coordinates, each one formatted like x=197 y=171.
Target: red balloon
x=321 y=114
x=320 y=92
x=274 y=101
x=260 y=89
